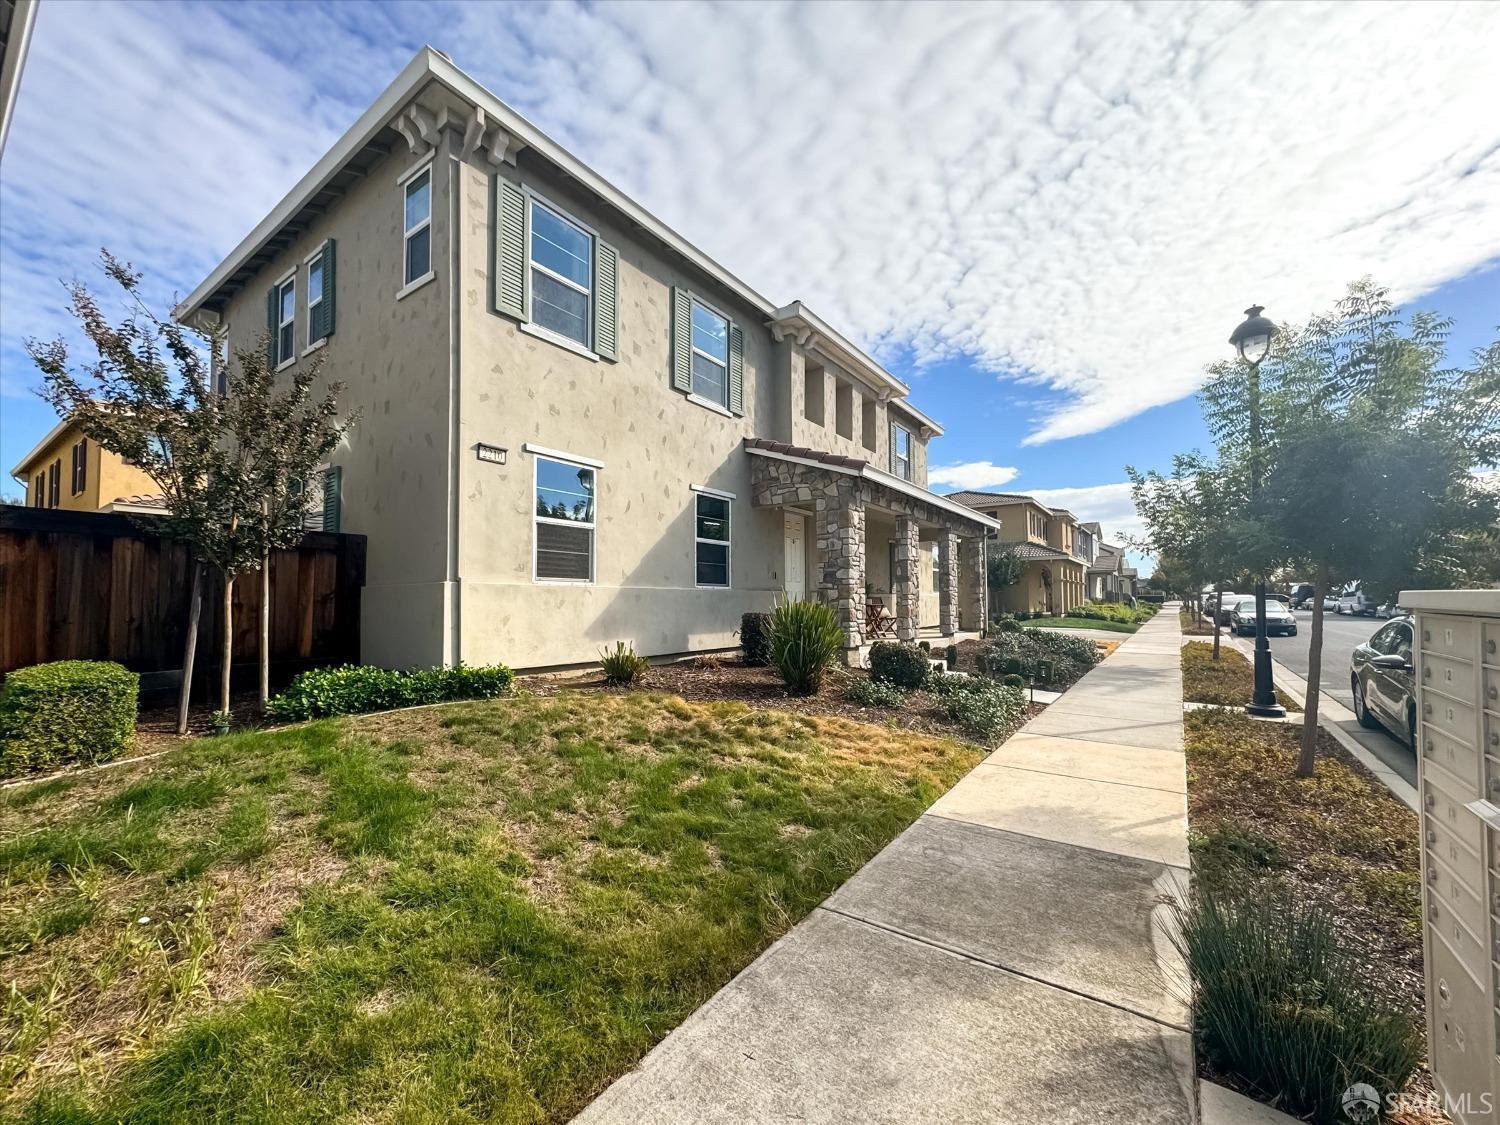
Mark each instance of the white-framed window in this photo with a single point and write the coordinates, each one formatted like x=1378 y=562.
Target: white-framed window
x=711 y=529
x=314 y=297
x=564 y=521
x=417 y=228
x=710 y=353
x=286 y=320
x=900 y=451
x=561 y=262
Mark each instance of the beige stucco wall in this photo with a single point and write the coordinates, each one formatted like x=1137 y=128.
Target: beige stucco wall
x=653 y=441
x=106 y=477
x=393 y=357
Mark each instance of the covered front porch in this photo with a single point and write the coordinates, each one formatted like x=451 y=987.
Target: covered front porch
x=895 y=561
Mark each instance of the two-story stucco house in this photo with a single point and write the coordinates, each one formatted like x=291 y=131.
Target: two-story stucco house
x=576 y=426
x=66 y=470
x=1054 y=547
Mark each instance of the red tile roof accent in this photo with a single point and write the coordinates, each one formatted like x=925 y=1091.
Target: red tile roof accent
x=805 y=453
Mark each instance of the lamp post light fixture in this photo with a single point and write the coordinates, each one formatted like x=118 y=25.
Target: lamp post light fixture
x=1252 y=340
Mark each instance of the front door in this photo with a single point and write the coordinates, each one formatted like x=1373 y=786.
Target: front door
x=795 y=568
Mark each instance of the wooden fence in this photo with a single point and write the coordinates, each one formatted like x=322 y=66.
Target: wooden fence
x=98 y=586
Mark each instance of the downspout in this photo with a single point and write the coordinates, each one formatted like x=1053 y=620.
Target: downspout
x=456 y=191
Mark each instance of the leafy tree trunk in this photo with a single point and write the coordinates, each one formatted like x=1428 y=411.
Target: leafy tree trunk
x=227 y=651
x=190 y=648
x=265 y=630
x=1308 y=754
x=1217 y=603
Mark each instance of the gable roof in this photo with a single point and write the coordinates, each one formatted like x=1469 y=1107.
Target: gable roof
x=972 y=499
x=1024 y=550
x=433 y=81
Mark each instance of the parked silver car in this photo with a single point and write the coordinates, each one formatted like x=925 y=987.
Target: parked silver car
x=1279 y=618
x=1380 y=675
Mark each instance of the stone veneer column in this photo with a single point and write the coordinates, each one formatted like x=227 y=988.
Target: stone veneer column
x=971 y=564
x=841 y=551
x=907 y=579
x=947 y=564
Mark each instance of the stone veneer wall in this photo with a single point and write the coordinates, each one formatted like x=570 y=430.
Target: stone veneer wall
x=837 y=500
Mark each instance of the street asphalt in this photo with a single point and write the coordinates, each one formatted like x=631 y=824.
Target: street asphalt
x=1340 y=637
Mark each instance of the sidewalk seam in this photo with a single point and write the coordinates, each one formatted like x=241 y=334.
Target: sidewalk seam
x=1050 y=840
x=954 y=951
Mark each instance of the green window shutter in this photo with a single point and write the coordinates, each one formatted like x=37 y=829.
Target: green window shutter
x=606 y=279
x=272 y=324
x=682 y=340
x=736 y=369
x=510 y=249
x=333 y=479
x=326 y=310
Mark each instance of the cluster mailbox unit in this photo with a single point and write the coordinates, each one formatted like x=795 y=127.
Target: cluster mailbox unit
x=1457 y=653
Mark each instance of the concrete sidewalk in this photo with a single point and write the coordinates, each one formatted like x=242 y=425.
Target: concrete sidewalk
x=1000 y=961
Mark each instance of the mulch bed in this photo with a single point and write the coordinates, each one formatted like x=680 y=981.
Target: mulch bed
x=730 y=679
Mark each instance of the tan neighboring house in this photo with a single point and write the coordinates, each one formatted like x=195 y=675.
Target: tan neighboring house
x=66 y=470
x=577 y=427
x=1056 y=549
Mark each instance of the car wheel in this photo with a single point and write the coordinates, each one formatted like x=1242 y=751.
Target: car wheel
x=1361 y=708
x=1292 y=632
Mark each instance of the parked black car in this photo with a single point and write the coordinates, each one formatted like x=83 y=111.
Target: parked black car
x=1279 y=618
x=1301 y=595
x=1380 y=674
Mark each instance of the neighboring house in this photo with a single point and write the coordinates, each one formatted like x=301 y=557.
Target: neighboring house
x=66 y=470
x=1109 y=579
x=576 y=427
x=1047 y=540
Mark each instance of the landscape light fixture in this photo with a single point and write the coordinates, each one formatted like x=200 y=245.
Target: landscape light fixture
x=1252 y=340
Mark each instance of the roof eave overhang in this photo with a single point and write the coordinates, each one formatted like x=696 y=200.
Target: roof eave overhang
x=426 y=67
x=52 y=435
x=812 y=332
x=877 y=476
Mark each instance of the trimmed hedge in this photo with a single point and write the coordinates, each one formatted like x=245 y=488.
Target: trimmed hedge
x=351 y=689
x=906 y=666
x=65 y=713
x=755 y=638
x=982 y=707
x=870 y=693
x=1053 y=655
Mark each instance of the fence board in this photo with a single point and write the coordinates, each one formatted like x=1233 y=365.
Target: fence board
x=97 y=586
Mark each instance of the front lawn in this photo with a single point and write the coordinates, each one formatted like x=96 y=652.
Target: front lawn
x=1080 y=623
x=485 y=911
x=1227 y=682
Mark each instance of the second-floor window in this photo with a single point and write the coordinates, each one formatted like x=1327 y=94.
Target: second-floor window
x=562 y=275
x=900 y=451
x=286 y=322
x=54 y=484
x=80 y=466
x=710 y=354
x=315 y=299
x=417 y=234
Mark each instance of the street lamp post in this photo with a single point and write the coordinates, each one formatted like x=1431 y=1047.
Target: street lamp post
x=1252 y=340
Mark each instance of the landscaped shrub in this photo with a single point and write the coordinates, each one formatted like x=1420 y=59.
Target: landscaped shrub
x=1281 y=1006
x=623 y=665
x=1049 y=655
x=755 y=638
x=1012 y=679
x=1007 y=625
x=872 y=693
x=351 y=689
x=805 y=641
x=906 y=666
x=982 y=707
x=950 y=657
x=67 y=712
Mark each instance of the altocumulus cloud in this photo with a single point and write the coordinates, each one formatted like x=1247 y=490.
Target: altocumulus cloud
x=1080 y=197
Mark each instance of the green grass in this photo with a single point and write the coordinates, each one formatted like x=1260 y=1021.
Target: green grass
x=1079 y=623
x=479 y=913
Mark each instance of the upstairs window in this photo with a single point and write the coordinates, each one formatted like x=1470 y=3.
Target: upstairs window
x=900 y=451
x=562 y=274
x=315 y=299
x=418 y=228
x=39 y=491
x=54 y=484
x=711 y=539
x=710 y=354
x=80 y=466
x=564 y=521
x=286 y=321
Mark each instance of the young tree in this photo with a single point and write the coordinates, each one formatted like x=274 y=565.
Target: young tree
x=287 y=434
x=1367 y=458
x=148 y=397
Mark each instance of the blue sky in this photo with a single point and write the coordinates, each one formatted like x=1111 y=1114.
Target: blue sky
x=1046 y=217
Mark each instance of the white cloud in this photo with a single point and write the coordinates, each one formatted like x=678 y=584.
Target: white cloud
x=971 y=474
x=1083 y=197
